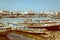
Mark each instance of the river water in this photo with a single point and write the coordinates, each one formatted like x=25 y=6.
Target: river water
x=21 y=20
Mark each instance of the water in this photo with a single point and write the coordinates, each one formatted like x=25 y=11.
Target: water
x=19 y=20
x=5 y=20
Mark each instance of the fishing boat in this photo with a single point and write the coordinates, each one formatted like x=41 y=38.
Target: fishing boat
x=50 y=25
x=4 y=30
x=42 y=24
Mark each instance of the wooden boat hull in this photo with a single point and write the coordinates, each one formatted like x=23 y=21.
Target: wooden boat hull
x=5 y=31
x=54 y=27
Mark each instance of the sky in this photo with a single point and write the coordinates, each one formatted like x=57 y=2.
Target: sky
x=35 y=5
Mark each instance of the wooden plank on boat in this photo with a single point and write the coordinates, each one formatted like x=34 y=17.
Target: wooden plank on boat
x=54 y=27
